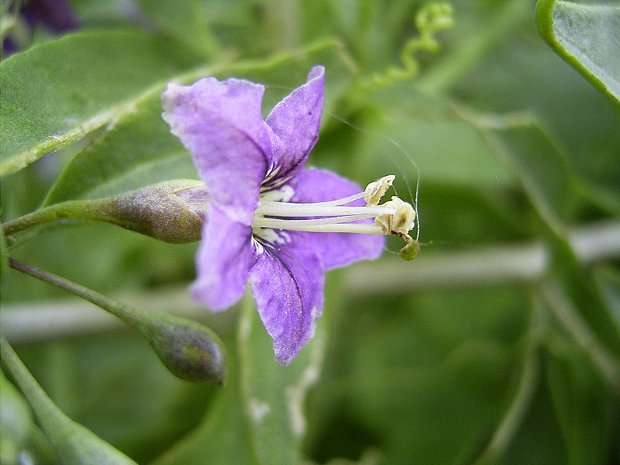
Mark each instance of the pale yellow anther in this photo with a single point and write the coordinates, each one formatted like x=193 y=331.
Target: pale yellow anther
x=375 y=190
x=401 y=221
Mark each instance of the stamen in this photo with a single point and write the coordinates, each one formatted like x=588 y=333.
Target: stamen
x=302 y=225
x=393 y=217
x=300 y=210
x=343 y=201
x=375 y=190
x=400 y=222
x=264 y=222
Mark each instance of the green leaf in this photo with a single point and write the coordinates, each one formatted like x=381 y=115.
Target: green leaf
x=4 y=256
x=185 y=21
x=16 y=422
x=404 y=127
x=262 y=401
x=272 y=394
x=418 y=375
x=543 y=174
x=587 y=37
x=73 y=443
x=220 y=436
x=539 y=166
x=139 y=151
x=584 y=408
x=56 y=93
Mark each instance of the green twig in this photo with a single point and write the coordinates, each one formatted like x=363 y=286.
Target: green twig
x=116 y=308
x=492 y=265
x=190 y=351
x=75 y=210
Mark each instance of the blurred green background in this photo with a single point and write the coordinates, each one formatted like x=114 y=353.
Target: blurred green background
x=482 y=350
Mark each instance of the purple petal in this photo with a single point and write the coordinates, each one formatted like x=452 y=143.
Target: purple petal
x=295 y=120
x=288 y=284
x=223 y=261
x=334 y=249
x=222 y=126
x=56 y=15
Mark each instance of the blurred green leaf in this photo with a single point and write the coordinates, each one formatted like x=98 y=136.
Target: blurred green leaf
x=540 y=167
x=273 y=395
x=139 y=151
x=608 y=281
x=587 y=37
x=56 y=93
x=543 y=174
x=259 y=418
x=221 y=435
x=186 y=21
x=73 y=443
x=16 y=422
x=407 y=374
x=408 y=129
x=4 y=256
x=585 y=408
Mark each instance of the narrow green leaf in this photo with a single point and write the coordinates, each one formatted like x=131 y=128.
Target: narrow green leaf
x=258 y=418
x=545 y=179
x=139 y=151
x=540 y=167
x=587 y=37
x=73 y=443
x=16 y=422
x=405 y=129
x=608 y=281
x=4 y=256
x=56 y=93
x=272 y=394
x=582 y=404
x=222 y=434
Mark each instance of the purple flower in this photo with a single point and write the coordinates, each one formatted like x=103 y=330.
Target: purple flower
x=56 y=16
x=272 y=222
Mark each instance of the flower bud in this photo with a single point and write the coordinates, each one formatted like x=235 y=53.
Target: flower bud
x=191 y=351
x=171 y=211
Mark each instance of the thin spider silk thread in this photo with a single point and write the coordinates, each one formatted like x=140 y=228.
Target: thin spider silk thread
x=414 y=194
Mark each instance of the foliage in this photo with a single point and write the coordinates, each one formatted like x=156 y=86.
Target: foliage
x=500 y=343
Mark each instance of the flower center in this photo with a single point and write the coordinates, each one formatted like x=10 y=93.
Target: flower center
x=394 y=217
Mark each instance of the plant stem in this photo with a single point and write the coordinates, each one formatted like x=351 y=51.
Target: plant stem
x=492 y=265
x=190 y=351
x=481 y=267
x=46 y=410
x=71 y=210
x=73 y=444
x=124 y=312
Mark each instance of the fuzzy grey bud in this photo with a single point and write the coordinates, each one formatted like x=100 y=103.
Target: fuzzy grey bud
x=171 y=211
